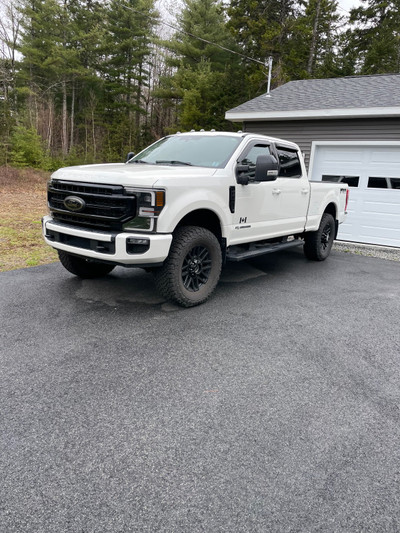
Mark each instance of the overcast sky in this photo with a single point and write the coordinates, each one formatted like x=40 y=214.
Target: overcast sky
x=347 y=5
x=172 y=6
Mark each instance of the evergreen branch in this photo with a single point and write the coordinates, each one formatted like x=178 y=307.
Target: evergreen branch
x=194 y=36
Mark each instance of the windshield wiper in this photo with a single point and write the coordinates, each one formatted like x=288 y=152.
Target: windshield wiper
x=173 y=162
x=139 y=161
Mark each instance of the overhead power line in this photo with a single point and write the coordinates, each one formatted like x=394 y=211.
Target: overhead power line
x=264 y=64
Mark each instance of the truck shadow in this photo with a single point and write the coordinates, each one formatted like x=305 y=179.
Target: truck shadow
x=135 y=286
x=279 y=263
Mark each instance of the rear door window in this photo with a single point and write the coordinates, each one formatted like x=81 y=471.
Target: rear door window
x=289 y=163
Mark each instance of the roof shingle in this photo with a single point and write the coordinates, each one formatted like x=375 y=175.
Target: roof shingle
x=353 y=92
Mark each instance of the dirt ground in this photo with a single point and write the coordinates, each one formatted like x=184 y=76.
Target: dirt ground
x=22 y=205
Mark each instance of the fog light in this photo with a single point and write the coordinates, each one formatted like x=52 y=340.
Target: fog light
x=133 y=240
x=135 y=245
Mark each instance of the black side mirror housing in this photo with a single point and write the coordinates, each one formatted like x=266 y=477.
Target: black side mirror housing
x=242 y=179
x=129 y=156
x=266 y=168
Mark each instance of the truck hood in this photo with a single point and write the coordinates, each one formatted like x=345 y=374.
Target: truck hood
x=133 y=174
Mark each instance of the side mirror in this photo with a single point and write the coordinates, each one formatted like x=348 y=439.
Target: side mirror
x=266 y=168
x=242 y=179
x=129 y=156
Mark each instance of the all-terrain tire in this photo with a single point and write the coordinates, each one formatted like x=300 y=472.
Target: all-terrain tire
x=83 y=268
x=192 y=269
x=318 y=244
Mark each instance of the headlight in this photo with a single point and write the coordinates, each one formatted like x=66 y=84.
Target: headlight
x=149 y=203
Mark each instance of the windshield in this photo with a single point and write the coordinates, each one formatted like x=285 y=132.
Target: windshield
x=212 y=151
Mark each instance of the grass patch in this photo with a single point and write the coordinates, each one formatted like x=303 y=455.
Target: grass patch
x=22 y=204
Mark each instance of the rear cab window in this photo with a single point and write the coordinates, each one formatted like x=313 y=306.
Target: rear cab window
x=289 y=162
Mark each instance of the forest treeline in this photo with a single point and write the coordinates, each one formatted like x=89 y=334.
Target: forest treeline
x=83 y=81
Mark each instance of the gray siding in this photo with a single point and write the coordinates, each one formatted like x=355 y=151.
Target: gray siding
x=303 y=132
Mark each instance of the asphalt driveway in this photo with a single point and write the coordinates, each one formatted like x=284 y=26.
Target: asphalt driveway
x=273 y=407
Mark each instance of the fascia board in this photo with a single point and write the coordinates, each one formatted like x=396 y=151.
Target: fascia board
x=366 y=112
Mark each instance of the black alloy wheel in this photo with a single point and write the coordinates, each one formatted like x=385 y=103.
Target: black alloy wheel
x=318 y=244
x=192 y=269
x=196 y=268
x=326 y=236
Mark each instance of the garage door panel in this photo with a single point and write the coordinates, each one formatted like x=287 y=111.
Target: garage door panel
x=348 y=155
x=373 y=212
x=345 y=232
x=351 y=206
x=384 y=156
x=380 y=232
x=384 y=208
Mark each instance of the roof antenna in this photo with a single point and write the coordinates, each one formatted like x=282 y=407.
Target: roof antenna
x=268 y=95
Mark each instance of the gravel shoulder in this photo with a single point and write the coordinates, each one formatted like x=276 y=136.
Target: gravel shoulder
x=368 y=250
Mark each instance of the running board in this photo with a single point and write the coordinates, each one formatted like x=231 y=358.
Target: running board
x=237 y=254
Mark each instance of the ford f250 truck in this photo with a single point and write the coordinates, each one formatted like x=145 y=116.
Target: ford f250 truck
x=187 y=204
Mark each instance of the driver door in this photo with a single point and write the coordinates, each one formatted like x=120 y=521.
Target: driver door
x=257 y=206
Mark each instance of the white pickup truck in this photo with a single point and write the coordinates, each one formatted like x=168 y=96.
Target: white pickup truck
x=187 y=204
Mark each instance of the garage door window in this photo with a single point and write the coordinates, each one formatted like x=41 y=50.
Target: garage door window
x=383 y=183
x=352 y=181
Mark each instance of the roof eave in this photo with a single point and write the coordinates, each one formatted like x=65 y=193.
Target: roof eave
x=364 y=112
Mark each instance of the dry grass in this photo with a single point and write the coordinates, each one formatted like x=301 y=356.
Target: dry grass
x=22 y=205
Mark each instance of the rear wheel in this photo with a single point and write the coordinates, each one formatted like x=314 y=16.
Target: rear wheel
x=318 y=244
x=83 y=268
x=193 y=267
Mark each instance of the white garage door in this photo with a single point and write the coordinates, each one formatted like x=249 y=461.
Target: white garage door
x=373 y=174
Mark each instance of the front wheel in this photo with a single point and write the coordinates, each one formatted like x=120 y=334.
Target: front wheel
x=318 y=244
x=83 y=268
x=192 y=269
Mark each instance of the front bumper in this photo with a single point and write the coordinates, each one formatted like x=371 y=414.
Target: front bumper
x=105 y=246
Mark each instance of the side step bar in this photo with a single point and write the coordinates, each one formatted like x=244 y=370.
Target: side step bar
x=235 y=253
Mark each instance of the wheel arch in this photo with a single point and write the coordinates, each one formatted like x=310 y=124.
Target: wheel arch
x=205 y=218
x=332 y=209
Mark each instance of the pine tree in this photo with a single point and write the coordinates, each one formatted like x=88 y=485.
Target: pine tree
x=265 y=29
x=317 y=35
x=9 y=35
x=50 y=61
x=127 y=50
x=208 y=79
x=375 y=39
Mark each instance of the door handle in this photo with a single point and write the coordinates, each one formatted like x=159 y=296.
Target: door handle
x=276 y=191
x=305 y=191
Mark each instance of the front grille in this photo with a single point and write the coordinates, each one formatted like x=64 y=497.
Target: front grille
x=106 y=206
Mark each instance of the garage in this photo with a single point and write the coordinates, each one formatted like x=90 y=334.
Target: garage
x=372 y=172
x=348 y=130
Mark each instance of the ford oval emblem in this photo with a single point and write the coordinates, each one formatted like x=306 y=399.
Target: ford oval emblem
x=74 y=203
